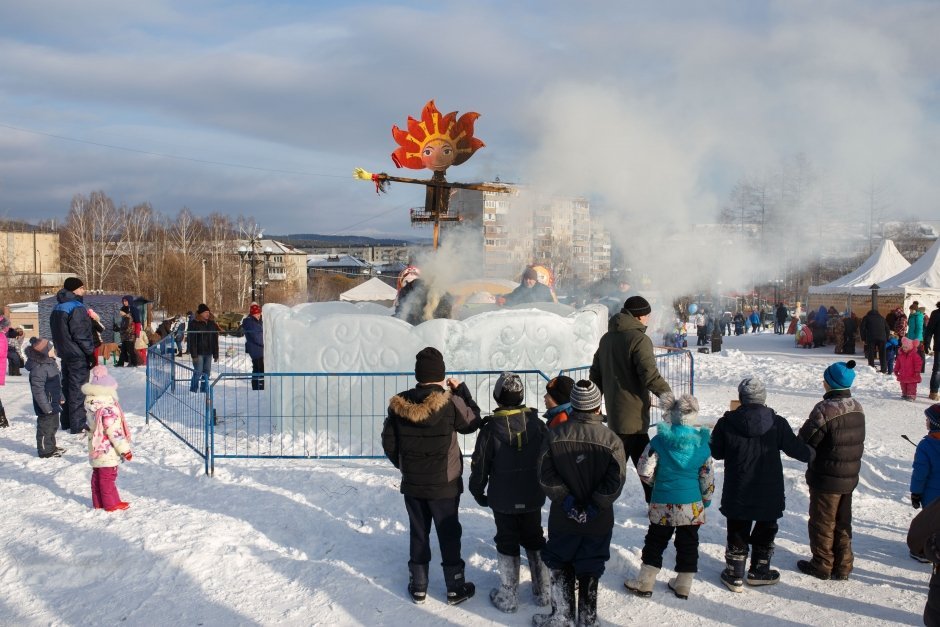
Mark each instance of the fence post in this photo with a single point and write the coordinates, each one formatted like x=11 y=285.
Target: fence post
x=209 y=426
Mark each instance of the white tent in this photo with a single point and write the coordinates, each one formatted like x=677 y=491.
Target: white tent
x=920 y=282
x=886 y=262
x=373 y=290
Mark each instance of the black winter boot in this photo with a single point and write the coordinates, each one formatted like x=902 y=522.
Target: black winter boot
x=733 y=575
x=418 y=582
x=563 y=607
x=587 y=601
x=3 y=418
x=458 y=589
x=760 y=573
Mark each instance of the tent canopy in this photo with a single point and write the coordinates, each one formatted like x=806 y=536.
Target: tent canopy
x=923 y=274
x=375 y=289
x=885 y=263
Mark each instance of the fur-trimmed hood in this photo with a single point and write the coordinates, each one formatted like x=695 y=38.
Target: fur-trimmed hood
x=101 y=393
x=418 y=412
x=681 y=441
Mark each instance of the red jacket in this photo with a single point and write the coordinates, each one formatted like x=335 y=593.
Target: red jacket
x=907 y=366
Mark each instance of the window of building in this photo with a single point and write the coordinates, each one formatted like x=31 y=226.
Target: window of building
x=489 y=242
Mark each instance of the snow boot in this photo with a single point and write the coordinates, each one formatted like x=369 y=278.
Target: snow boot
x=760 y=573
x=458 y=589
x=4 y=423
x=644 y=582
x=562 y=600
x=808 y=568
x=418 y=582
x=541 y=578
x=733 y=575
x=587 y=601
x=934 y=396
x=505 y=597
x=681 y=584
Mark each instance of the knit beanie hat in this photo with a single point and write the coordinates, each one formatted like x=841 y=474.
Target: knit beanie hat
x=429 y=365
x=751 y=391
x=201 y=308
x=509 y=391
x=906 y=344
x=683 y=410
x=100 y=376
x=40 y=345
x=72 y=283
x=636 y=305
x=585 y=396
x=559 y=389
x=933 y=415
x=254 y=309
x=840 y=375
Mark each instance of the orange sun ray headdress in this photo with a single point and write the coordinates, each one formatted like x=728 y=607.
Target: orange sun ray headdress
x=435 y=129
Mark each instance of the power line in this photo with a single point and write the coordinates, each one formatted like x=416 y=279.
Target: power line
x=169 y=156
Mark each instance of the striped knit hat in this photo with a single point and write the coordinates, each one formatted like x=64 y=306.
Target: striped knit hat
x=585 y=396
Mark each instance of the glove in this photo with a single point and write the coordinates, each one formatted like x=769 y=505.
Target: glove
x=705 y=504
x=591 y=512
x=915 y=500
x=92 y=361
x=481 y=500
x=127 y=456
x=573 y=511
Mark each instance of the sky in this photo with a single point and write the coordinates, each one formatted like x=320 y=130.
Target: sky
x=263 y=109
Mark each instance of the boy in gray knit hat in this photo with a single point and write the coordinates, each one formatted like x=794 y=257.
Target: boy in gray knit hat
x=749 y=439
x=581 y=468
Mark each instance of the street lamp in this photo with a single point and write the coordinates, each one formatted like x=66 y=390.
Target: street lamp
x=252 y=254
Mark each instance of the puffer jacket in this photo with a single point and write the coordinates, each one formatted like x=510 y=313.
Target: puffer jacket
x=624 y=369
x=71 y=328
x=925 y=480
x=506 y=458
x=749 y=440
x=420 y=438
x=254 y=337
x=45 y=382
x=907 y=366
x=874 y=328
x=109 y=437
x=932 y=331
x=915 y=326
x=585 y=459
x=538 y=293
x=836 y=431
x=682 y=451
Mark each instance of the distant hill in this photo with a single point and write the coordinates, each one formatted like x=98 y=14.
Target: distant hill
x=315 y=239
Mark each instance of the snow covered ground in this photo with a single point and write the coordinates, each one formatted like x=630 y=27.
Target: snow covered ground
x=325 y=542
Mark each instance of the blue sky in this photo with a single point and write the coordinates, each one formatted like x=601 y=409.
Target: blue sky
x=649 y=110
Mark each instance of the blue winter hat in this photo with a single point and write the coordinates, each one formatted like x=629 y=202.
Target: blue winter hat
x=840 y=375
x=933 y=415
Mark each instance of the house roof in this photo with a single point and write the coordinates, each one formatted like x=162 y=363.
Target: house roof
x=335 y=261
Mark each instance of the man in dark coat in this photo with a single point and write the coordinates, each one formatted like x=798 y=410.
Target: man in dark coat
x=932 y=339
x=253 y=327
x=780 y=318
x=582 y=469
x=849 y=330
x=835 y=430
x=529 y=290
x=202 y=342
x=749 y=439
x=874 y=334
x=420 y=439
x=624 y=369
x=506 y=459
x=74 y=342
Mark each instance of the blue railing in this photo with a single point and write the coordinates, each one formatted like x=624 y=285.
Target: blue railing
x=317 y=414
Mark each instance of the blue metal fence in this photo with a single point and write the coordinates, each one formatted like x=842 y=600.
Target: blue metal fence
x=314 y=415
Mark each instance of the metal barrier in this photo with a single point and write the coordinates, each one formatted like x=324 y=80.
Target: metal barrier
x=312 y=415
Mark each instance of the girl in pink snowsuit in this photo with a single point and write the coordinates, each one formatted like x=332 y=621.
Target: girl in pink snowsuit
x=907 y=368
x=109 y=439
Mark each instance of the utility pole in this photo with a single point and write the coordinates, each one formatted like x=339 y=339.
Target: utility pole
x=203 y=280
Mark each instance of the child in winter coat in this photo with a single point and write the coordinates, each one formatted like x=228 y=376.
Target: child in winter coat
x=891 y=351
x=907 y=369
x=582 y=468
x=109 y=438
x=925 y=480
x=557 y=400
x=505 y=459
x=46 y=387
x=677 y=464
x=750 y=439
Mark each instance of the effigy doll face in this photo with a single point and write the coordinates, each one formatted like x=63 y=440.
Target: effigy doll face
x=438 y=155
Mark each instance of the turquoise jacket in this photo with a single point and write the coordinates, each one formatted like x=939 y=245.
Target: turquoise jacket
x=682 y=450
x=915 y=326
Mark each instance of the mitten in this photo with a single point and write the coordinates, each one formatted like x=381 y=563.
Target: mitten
x=572 y=510
x=705 y=504
x=481 y=500
x=915 y=500
x=127 y=456
x=591 y=512
x=92 y=361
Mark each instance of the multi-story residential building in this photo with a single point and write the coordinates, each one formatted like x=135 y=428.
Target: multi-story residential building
x=30 y=257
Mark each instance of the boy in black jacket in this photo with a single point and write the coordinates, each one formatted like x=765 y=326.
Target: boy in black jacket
x=420 y=439
x=506 y=458
x=582 y=468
